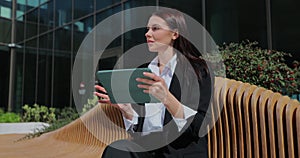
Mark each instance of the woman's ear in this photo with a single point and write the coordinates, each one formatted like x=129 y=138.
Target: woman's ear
x=175 y=34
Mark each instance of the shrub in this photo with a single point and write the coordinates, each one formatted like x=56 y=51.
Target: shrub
x=266 y=68
x=9 y=117
x=67 y=113
x=296 y=70
x=38 y=114
x=63 y=116
x=90 y=104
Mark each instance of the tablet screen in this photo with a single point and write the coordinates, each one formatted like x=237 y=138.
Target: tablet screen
x=121 y=85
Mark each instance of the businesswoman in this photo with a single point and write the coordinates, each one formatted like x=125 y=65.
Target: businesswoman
x=181 y=81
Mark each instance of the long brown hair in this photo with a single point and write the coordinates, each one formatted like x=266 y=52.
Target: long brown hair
x=176 y=21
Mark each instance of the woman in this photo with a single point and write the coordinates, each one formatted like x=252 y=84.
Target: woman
x=181 y=81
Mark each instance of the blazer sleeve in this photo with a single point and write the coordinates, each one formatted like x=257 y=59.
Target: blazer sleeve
x=190 y=132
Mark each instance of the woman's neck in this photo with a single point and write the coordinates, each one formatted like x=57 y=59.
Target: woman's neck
x=165 y=56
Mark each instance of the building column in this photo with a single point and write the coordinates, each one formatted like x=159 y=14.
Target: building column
x=12 y=47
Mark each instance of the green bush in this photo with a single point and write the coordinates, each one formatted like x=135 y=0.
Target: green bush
x=60 y=117
x=9 y=117
x=92 y=102
x=296 y=70
x=64 y=117
x=67 y=113
x=247 y=62
x=38 y=114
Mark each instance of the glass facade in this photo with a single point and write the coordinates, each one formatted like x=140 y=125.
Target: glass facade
x=51 y=31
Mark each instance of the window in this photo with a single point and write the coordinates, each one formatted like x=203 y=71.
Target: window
x=105 y=3
x=21 y=7
x=46 y=20
x=82 y=8
x=44 y=77
x=19 y=30
x=106 y=32
x=5 y=30
x=46 y=41
x=285 y=27
x=235 y=21
x=81 y=29
x=62 y=79
x=63 y=12
x=5 y=12
x=19 y=80
x=63 y=38
x=32 y=4
x=30 y=76
x=31 y=24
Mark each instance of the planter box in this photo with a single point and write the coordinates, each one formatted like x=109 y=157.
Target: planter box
x=22 y=128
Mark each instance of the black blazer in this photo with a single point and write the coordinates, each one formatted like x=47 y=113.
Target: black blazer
x=194 y=93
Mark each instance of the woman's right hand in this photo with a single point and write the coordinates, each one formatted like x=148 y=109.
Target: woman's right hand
x=126 y=109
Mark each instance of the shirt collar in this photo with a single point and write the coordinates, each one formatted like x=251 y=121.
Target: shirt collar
x=169 y=68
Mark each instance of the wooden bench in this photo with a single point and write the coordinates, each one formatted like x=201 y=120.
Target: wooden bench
x=250 y=122
x=254 y=122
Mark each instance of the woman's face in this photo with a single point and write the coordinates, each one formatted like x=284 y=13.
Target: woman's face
x=159 y=36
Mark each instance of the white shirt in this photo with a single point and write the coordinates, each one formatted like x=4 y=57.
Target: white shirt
x=155 y=112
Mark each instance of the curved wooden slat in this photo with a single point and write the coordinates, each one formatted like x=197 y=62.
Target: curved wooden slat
x=239 y=113
x=292 y=128
x=233 y=121
x=209 y=153
x=213 y=134
x=298 y=129
x=281 y=129
x=256 y=121
x=274 y=97
x=263 y=116
x=227 y=128
x=247 y=118
x=219 y=107
x=217 y=136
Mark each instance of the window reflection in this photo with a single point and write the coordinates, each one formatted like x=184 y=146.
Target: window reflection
x=63 y=12
x=43 y=1
x=20 y=30
x=62 y=79
x=106 y=32
x=45 y=41
x=46 y=17
x=5 y=29
x=5 y=12
x=30 y=76
x=19 y=80
x=285 y=27
x=84 y=25
x=21 y=2
x=82 y=8
x=81 y=29
x=63 y=38
x=44 y=77
x=105 y=3
x=31 y=28
x=21 y=7
x=32 y=4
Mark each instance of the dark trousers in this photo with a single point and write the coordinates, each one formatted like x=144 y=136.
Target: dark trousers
x=130 y=149
x=125 y=149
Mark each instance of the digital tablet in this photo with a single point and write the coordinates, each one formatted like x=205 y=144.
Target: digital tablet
x=121 y=85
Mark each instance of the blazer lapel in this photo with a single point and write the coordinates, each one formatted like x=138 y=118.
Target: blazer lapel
x=176 y=91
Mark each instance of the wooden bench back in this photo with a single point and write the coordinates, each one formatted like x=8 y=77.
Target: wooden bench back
x=253 y=122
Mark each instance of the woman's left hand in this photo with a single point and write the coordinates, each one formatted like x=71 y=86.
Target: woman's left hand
x=156 y=87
